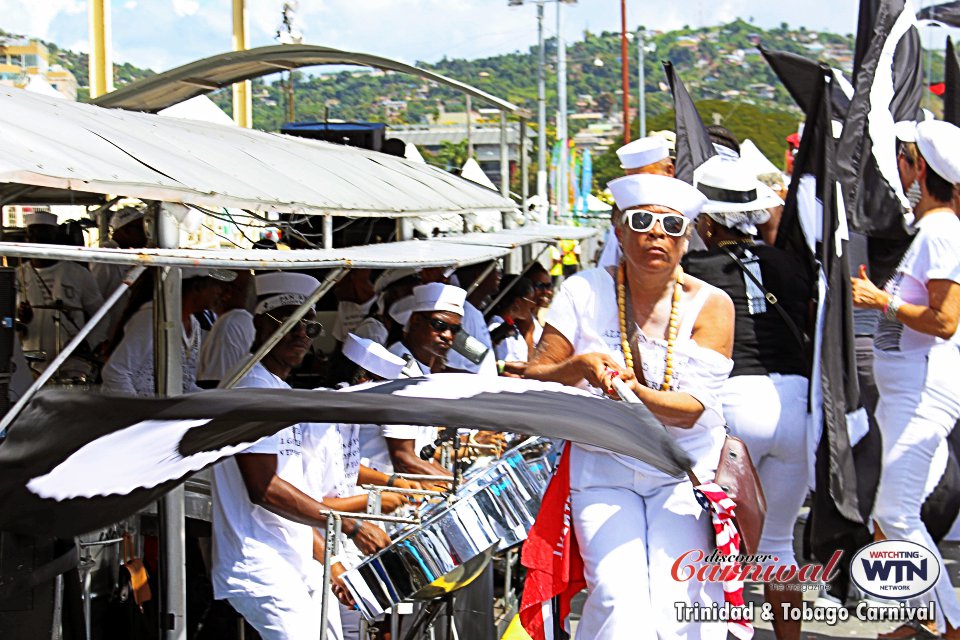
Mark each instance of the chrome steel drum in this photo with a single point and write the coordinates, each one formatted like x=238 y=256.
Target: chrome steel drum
x=492 y=511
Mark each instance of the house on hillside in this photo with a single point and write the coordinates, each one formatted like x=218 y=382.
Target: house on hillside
x=22 y=60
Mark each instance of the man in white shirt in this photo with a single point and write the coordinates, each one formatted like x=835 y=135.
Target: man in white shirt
x=229 y=340
x=265 y=544
x=473 y=321
x=55 y=298
x=128 y=232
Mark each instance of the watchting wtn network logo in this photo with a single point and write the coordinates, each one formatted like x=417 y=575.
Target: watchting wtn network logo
x=895 y=569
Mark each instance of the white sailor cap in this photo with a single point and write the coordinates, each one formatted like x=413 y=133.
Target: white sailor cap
x=283 y=289
x=373 y=357
x=401 y=309
x=905 y=131
x=646 y=189
x=223 y=275
x=125 y=216
x=40 y=217
x=643 y=152
x=939 y=144
x=436 y=296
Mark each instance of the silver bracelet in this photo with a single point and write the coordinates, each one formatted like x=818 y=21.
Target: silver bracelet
x=890 y=311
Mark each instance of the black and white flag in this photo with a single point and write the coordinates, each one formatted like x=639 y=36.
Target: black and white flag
x=888 y=85
x=693 y=142
x=74 y=462
x=814 y=225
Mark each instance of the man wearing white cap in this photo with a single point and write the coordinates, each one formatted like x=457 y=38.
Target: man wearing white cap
x=263 y=518
x=668 y=336
x=54 y=300
x=129 y=369
x=649 y=155
x=431 y=318
x=916 y=360
x=227 y=344
x=128 y=232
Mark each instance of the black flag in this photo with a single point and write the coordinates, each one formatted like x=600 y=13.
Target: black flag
x=813 y=203
x=951 y=85
x=803 y=79
x=693 y=142
x=948 y=13
x=74 y=462
x=888 y=87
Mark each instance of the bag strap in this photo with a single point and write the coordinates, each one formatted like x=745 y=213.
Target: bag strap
x=772 y=299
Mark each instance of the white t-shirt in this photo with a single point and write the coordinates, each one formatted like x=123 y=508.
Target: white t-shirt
x=255 y=551
x=374 y=452
x=514 y=348
x=323 y=460
x=584 y=311
x=934 y=254
x=129 y=371
x=227 y=344
x=74 y=286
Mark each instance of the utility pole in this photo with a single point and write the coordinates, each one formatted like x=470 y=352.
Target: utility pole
x=563 y=169
x=625 y=70
x=541 y=113
x=242 y=98
x=642 y=105
x=101 y=51
x=289 y=34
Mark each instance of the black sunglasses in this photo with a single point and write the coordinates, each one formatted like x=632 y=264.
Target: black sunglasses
x=440 y=326
x=543 y=286
x=312 y=328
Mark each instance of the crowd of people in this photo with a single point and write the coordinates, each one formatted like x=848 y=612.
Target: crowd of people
x=692 y=307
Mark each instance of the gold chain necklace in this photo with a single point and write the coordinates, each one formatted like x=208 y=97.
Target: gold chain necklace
x=672 y=328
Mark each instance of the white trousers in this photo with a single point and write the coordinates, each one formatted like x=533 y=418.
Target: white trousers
x=631 y=528
x=292 y=613
x=919 y=405
x=769 y=413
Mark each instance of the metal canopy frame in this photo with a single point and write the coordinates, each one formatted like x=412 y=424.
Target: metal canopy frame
x=70 y=153
x=216 y=72
x=410 y=253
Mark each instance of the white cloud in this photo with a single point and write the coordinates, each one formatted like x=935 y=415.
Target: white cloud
x=34 y=19
x=130 y=5
x=185 y=7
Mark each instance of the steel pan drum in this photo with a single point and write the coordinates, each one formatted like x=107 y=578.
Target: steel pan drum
x=492 y=511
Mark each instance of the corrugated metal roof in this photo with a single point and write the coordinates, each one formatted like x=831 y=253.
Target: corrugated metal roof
x=410 y=253
x=202 y=76
x=58 y=151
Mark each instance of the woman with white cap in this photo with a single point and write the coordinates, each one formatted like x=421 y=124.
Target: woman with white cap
x=916 y=362
x=669 y=336
x=765 y=398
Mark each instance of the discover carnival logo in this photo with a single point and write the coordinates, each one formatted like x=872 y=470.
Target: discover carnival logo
x=895 y=569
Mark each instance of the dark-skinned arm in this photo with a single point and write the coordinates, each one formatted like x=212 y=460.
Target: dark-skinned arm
x=406 y=460
x=268 y=490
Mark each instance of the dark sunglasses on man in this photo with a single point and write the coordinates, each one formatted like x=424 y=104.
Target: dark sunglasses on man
x=312 y=328
x=440 y=326
x=543 y=286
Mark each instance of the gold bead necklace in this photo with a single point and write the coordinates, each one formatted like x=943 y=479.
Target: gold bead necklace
x=672 y=327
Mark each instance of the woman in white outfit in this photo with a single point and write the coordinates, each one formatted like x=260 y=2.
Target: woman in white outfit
x=916 y=362
x=631 y=521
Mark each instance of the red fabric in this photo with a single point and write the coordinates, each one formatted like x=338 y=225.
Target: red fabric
x=551 y=556
x=938 y=88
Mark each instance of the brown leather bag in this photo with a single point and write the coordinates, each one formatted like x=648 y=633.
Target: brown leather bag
x=737 y=476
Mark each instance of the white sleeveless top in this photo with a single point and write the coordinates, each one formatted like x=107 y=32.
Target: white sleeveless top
x=584 y=310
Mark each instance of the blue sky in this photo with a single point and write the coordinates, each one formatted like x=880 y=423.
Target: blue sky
x=161 y=34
